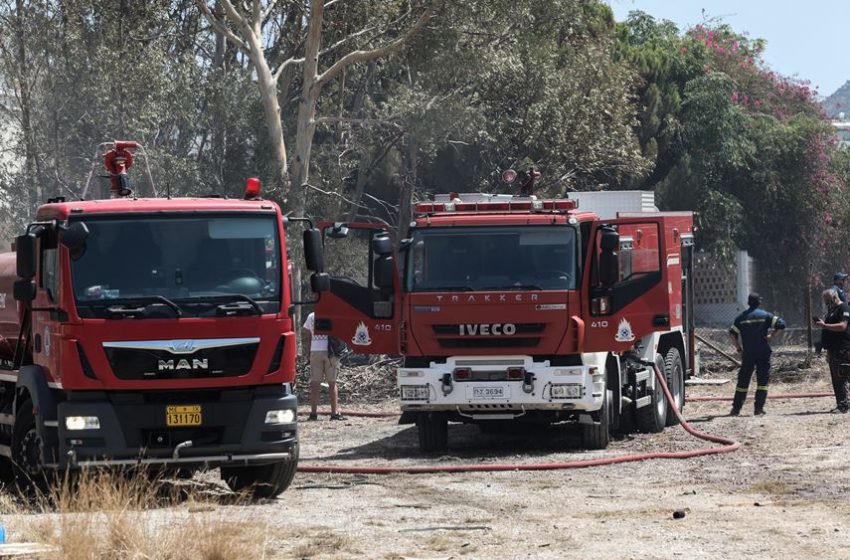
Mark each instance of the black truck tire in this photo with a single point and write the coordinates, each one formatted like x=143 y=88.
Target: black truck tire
x=263 y=481
x=653 y=417
x=675 y=373
x=27 y=465
x=597 y=436
x=433 y=428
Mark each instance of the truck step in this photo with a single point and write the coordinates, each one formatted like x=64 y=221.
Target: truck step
x=643 y=401
x=642 y=375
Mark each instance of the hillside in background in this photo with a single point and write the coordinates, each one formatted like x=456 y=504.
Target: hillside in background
x=839 y=101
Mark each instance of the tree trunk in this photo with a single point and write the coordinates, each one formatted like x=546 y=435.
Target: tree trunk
x=32 y=164
x=271 y=109
x=407 y=187
x=363 y=171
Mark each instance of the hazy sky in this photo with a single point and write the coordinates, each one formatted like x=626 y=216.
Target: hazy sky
x=807 y=39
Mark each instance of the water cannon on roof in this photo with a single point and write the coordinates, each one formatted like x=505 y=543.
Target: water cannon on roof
x=117 y=160
x=527 y=180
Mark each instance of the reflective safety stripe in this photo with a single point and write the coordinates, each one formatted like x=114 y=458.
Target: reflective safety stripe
x=761 y=388
x=749 y=321
x=734 y=329
x=740 y=389
x=773 y=321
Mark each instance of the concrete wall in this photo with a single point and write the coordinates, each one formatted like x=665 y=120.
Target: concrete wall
x=721 y=289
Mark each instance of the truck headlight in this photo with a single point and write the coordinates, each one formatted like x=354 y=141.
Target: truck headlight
x=280 y=416
x=565 y=391
x=415 y=392
x=74 y=423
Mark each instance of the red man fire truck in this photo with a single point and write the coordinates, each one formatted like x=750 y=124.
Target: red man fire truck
x=513 y=308
x=150 y=332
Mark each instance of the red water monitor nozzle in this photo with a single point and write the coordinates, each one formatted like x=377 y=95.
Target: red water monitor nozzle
x=118 y=161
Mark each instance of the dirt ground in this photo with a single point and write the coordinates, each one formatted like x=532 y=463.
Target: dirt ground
x=784 y=494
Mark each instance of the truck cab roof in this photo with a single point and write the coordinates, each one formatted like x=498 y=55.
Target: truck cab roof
x=65 y=209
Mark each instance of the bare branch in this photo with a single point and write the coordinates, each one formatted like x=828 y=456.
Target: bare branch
x=257 y=11
x=269 y=9
x=332 y=120
x=336 y=194
x=346 y=39
x=237 y=18
x=331 y=3
x=221 y=28
x=365 y=56
x=287 y=62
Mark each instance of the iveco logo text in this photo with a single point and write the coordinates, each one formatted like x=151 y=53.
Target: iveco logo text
x=195 y=363
x=496 y=329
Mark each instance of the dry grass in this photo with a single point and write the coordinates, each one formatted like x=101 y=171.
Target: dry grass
x=771 y=488
x=322 y=542
x=103 y=515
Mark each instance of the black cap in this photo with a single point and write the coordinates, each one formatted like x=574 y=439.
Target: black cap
x=754 y=300
x=838 y=277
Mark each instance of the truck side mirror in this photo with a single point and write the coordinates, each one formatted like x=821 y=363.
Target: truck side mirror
x=384 y=273
x=320 y=282
x=24 y=290
x=314 y=256
x=381 y=244
x=338 y=231
x=74 y=238
x=609 y=263
x=25 y=249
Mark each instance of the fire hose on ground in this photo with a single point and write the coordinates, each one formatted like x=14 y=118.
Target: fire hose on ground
x=727 y=446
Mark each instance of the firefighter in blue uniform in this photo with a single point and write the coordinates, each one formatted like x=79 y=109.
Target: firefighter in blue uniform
x=753 y=330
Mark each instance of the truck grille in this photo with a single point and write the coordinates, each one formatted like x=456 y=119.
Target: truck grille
x=521 y=328
x=137 y=363
x=515 y=340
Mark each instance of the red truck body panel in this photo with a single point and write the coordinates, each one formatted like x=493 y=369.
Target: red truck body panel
x=60 y=341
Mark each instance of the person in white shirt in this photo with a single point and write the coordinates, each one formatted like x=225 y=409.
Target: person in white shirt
x=322 y=368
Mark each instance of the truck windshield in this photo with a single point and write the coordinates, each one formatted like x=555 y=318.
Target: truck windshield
x=178 y=265
x=492 y=258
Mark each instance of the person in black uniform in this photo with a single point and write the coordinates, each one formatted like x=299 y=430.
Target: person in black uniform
x=838 y=281
x=751 y=334
x=836 y=340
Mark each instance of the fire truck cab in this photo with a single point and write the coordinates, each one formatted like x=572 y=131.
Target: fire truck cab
x=513 y=308
x=150 y=333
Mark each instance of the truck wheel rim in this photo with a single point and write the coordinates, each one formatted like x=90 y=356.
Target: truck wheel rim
x=29 y=454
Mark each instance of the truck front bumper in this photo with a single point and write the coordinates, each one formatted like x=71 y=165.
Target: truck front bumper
x=578 y=388
x=134 y=429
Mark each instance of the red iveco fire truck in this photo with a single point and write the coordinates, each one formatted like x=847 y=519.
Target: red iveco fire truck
x=512 y=308
x=153 y=332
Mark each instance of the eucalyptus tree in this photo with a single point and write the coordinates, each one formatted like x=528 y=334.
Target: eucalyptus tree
x=254 y=26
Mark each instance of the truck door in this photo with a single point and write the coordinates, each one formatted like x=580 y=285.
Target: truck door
x=362 y=306
x=624 y=309
x=46 y=338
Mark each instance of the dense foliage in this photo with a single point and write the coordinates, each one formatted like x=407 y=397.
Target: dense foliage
x=558 y=85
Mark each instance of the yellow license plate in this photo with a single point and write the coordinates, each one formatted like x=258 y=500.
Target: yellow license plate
x=183 y=415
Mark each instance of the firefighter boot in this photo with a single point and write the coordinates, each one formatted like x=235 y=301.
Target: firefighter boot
x=738 y=401
x=761 y=398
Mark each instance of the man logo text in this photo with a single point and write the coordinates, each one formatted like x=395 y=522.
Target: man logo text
x=171 y=365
